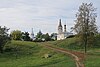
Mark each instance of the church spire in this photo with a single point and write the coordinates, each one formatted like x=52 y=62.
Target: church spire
x=60 y=28
x=65 y=28
x=60 y=25
x=32 y=31
x=32 y=34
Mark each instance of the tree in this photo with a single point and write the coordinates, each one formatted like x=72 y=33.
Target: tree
x=39 y=37
x=39 y=34
x=42 y=37
x=54 y=36
x=47 y=37
x=4 y=37
x=85 y=25
x=97 y=40
x=25 y=36
x=16 y=35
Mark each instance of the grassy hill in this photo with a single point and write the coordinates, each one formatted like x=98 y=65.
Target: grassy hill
x=30 y=54
x=93 y=54
x=70 y=43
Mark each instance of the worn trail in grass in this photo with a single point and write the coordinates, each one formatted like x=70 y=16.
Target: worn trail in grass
x=92 y=57
x=77 y=56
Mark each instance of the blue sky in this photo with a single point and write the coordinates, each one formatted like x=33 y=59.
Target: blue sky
x=41 y=15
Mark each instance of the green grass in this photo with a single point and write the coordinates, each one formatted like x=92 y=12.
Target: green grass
x=92 y=56
x=70 y=44
x=30 y=54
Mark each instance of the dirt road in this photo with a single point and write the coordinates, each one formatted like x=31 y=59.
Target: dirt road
x=77 y=56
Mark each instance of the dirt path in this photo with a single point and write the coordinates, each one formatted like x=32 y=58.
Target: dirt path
x=78 y=57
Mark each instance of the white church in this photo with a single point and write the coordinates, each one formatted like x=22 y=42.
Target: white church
x=62 y=34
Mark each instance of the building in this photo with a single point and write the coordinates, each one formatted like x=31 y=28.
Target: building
x=62 y=34
x=32 y=35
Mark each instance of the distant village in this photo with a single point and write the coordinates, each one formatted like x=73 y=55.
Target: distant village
x=41 y=37
x=60 y=35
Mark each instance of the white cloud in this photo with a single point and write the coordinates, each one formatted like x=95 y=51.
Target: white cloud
x=40 y=14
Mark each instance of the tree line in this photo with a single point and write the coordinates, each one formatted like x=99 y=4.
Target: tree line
x=6 y=38
x=25 y=36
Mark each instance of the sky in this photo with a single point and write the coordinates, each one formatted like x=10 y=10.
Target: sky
x=41 y=15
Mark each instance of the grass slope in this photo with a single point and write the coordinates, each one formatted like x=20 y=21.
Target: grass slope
x=93 y=54
x=70 y=43
x=30 y=54
x=93 y=58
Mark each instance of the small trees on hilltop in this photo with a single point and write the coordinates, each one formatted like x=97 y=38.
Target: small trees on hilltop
x=16 y=35
x=4 y=37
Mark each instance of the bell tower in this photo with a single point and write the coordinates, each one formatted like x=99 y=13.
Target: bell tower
x=65 y=28
x=32 y=34
x=60 y=28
